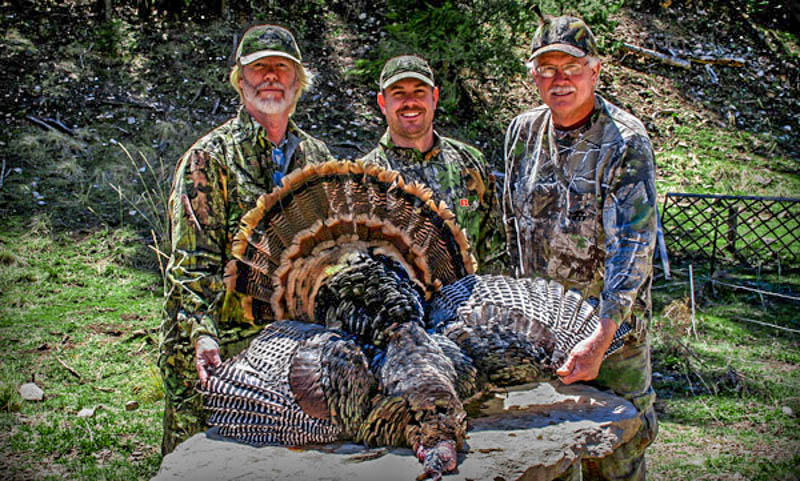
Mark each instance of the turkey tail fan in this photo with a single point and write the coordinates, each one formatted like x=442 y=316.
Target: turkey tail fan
x=286 y=244
x=532 y=318
x=297 y=383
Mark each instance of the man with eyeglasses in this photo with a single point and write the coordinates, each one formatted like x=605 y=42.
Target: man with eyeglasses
x=216 y=182
x=579 y=205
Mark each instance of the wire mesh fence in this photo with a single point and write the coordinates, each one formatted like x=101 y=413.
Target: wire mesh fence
x=748 y=230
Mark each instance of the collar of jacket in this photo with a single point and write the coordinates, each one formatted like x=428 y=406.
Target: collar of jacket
x=410 y=153
x=251 y=129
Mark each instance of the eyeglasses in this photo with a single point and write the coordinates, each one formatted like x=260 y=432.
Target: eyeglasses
x=569 y=70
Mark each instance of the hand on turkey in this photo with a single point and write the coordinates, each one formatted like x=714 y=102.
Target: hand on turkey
x=206 y=356
x=583 y=362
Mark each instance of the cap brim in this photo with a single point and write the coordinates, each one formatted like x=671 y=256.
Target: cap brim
x=559 y=47
x=250 y=58
x=405 y=75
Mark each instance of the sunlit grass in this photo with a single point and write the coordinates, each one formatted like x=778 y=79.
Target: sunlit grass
x=81 y=324
x=727 y=399
x=714 y=160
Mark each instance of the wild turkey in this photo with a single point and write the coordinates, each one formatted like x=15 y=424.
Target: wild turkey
x=358 y=250
x=385 y=354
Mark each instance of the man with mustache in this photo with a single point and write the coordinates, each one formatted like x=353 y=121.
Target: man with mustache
x=217 y=181
x=455 y=171
x=579 y=205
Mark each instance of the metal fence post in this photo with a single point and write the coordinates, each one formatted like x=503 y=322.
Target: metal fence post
x=732 y=228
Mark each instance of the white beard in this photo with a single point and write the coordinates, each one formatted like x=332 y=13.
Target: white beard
x=269 y=105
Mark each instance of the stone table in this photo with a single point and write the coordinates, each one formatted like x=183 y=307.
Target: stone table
x=537 y=432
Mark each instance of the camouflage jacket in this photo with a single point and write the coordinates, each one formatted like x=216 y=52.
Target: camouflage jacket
x=217 y=181
x=580 y=206
x=458 y=174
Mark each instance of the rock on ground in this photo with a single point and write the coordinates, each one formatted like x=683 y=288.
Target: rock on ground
x=536 y=433
x=31 y=392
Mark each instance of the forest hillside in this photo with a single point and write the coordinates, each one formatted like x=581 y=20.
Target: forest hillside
x=101 y=97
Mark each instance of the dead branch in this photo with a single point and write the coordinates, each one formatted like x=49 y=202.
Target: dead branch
x=232 y=57
x=691 y=353
x=3 y=173
x=89 y=430
x=757 y=291
x=667 y=59
x=39 y=123
x=705 y=405
x=130 y=104
x=103 y=389
x=50 y=124
x=60 y=126
x=727 y=61
x=216 y=106
x=71 y=371
x=197 y=95
x=141 y=347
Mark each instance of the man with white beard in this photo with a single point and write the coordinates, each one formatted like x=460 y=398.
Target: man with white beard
x=579 y=205
x=216 y=182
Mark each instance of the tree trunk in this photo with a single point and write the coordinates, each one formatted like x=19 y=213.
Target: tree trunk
x=104 y=8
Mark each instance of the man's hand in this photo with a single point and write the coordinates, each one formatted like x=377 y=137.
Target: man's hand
x=583 y=363
x=206 y=354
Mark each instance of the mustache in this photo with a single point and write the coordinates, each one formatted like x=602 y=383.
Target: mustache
x=265 y=85
x=410 y=109
x=562 y=89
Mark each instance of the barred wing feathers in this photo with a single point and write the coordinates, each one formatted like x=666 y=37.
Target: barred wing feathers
x=515 y=330
x=296 y=384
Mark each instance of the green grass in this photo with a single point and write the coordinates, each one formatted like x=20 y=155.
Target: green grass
x=715 y=160
x=76 y=302
x=722 y=395
x=686 y=452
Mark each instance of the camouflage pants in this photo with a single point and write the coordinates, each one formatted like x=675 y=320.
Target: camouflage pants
x=628 y=374
x=183 y=409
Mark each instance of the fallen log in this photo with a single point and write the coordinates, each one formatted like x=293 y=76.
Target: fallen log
x=667 y=59
x=728 y=61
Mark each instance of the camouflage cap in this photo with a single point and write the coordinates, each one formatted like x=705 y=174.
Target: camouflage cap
x=563 y=34
x=405 y=66
x=267 y=41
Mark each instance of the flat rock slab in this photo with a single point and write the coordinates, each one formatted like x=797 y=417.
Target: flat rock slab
x=535 y=433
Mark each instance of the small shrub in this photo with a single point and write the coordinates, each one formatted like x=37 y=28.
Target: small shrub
x=109 y=37
x=9 y=258
x=10 y=400
x=154 y=384
x=148 y=195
